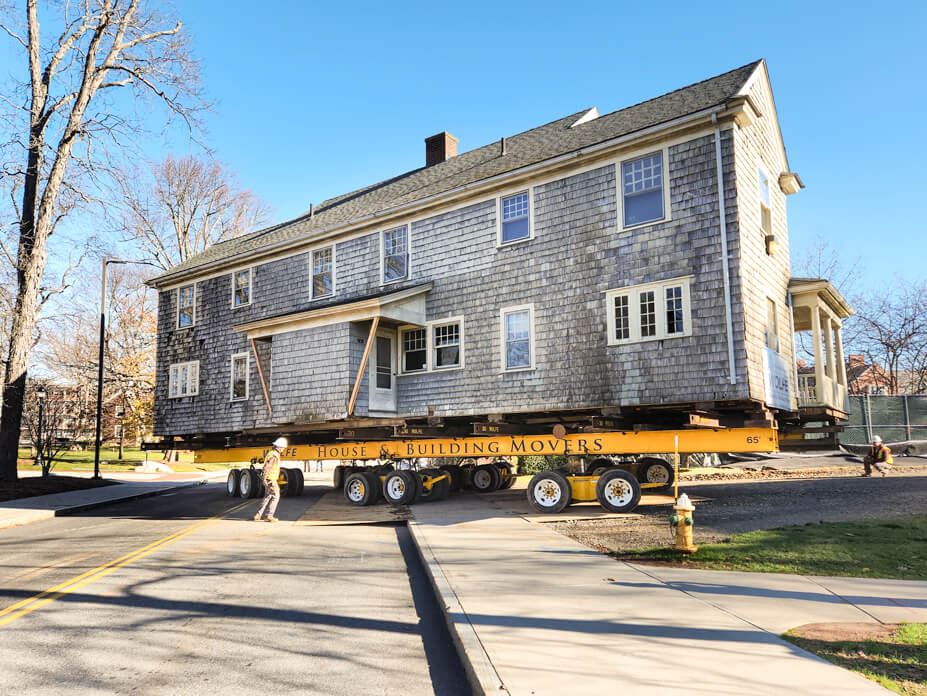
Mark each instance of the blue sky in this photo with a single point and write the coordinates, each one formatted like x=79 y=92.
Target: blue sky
x=313 y=100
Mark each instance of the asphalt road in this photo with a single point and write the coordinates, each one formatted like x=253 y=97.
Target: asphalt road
x=184 y=594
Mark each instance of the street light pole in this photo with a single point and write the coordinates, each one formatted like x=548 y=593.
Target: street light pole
x=40 y=394
x=96 y=454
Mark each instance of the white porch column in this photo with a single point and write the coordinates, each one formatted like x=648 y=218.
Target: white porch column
x=841 y=362
x=818 y=354
x=829 y=347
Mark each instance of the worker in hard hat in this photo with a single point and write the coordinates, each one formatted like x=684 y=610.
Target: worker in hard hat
x=271 y=472
x=879 y=456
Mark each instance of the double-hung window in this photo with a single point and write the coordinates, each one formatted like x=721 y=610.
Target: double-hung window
x=772 y=325
x=323 y=272
x=395 y=254
x=436 y=346
x=241 y=288
x=184 y=379
x=642 y=184
x=649 y=312
x=765 y=207
x=515 y=214
x=518 y=338
x=414 y=350
x=240 y=377
x=186 y=306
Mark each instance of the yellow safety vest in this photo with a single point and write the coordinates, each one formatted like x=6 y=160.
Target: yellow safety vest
x=271 y=469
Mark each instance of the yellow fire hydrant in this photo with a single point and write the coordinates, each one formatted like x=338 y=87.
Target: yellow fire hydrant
x=682 y=521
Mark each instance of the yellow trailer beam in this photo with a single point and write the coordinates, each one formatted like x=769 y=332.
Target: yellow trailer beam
x=588 y=445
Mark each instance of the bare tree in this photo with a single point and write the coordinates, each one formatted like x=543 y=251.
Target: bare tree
x=64 y=418
x=77 y=105
x=893 y=335
x=183 y=206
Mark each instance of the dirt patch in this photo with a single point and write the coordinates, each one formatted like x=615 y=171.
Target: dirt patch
x=845 y=631
x=33 y=486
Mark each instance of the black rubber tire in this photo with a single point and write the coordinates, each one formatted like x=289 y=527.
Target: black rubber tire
x=618 y=491
x=287 y=485
x=357 y=489
x=399 y=487
x=486 y=478
x=231 y=483
x=466 y=477
x=599 y=466
x=373 y=478
x=338 y=476
x=653 y=470
x=456 y=476
x=245 y=484
x=439 y=490
x=549 y=491
x=507 y=480
x=259 y=488
x=300 y=481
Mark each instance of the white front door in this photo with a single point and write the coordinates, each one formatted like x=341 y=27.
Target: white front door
x=382 y=372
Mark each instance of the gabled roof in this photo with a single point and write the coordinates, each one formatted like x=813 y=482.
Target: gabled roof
x=530 y=147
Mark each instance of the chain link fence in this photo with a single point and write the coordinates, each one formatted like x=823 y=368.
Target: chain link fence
x=894 y=418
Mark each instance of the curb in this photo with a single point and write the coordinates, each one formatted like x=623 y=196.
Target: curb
x=481 y=673
x=29 y=516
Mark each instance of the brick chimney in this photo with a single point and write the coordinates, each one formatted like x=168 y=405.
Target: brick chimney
x=440 y=148
x=856 y=360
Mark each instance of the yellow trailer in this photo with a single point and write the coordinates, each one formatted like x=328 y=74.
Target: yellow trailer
x=612 y=484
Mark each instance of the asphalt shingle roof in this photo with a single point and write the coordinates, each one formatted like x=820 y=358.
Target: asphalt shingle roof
x=521 y=150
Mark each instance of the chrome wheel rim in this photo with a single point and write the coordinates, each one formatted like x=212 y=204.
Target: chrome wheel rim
x=618 y=492
x=658 y=473
x=395 y=488
x=231 y=484
x=355 y=491
x=482 y=479
x=245 y=485
x=547 y=492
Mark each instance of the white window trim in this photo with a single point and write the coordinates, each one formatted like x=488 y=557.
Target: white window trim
x=174 y=370
x=760 y=174
x=634 y=314
x=250 y=287
x=531 y=337
x=508 y=194
x=333 y=247
x=247 y=357
x=177 y=313
x=430 y=346
x=775 y=317
x=408 y=276
x=667 y=210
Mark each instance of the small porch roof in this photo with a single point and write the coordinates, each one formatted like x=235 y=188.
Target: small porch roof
x=816 y=292
x=406 y=306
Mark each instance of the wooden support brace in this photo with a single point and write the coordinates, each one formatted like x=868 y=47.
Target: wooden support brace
x=257 y=360
x=363 y=366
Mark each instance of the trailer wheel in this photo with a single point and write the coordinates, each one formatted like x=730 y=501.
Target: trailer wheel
x=373 y=478
x=439 y=490
x=338 y=476
x=399 y=487
x=618 y=491
x=599 y=467
x=246 y=484
x=486 y=478
x=231 y=483
x=456 y=475
x=286 y=486
x=653 y=470
x=300 y=481
x=549 y=491
x=507 y=474
x=357 y=489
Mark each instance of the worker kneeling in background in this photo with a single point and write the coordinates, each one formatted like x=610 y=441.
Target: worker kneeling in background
x=879 y=456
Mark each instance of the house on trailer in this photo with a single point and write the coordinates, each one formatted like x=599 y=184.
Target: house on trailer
x=600 y=271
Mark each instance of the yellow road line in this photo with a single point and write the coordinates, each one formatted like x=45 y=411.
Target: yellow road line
x=29 y=605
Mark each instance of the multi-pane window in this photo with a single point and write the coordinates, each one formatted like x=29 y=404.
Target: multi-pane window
x=622 y=318
x=241 y=288
x=765 y=207
x=184 y=379
x=395 y=254
x=772 y=326
x=648 y=312
x=516 y=331
x=384 y=363
x=642 y=189
x=239 y=377
x=447 y=345
x=323 y=274
x=516 y=218
x=675 y=323
x=414 y=350
x=186 y=298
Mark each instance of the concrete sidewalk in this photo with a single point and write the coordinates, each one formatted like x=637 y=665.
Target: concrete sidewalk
x=25 y=510
x=536 y=613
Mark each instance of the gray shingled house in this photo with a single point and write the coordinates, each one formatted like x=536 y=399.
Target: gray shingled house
x=597 y=271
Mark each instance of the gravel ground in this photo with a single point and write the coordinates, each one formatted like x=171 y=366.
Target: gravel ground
x=733 y=501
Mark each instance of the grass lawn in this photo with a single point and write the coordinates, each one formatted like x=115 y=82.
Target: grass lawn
x=78 y=460
x=894 y=656
x=895 y=548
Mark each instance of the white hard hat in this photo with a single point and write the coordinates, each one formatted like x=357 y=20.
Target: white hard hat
x=876 y=438
x=280 y=443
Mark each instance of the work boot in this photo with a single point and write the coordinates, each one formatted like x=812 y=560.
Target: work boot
x=865 y=475
x=271 y=519
x=256 y=518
